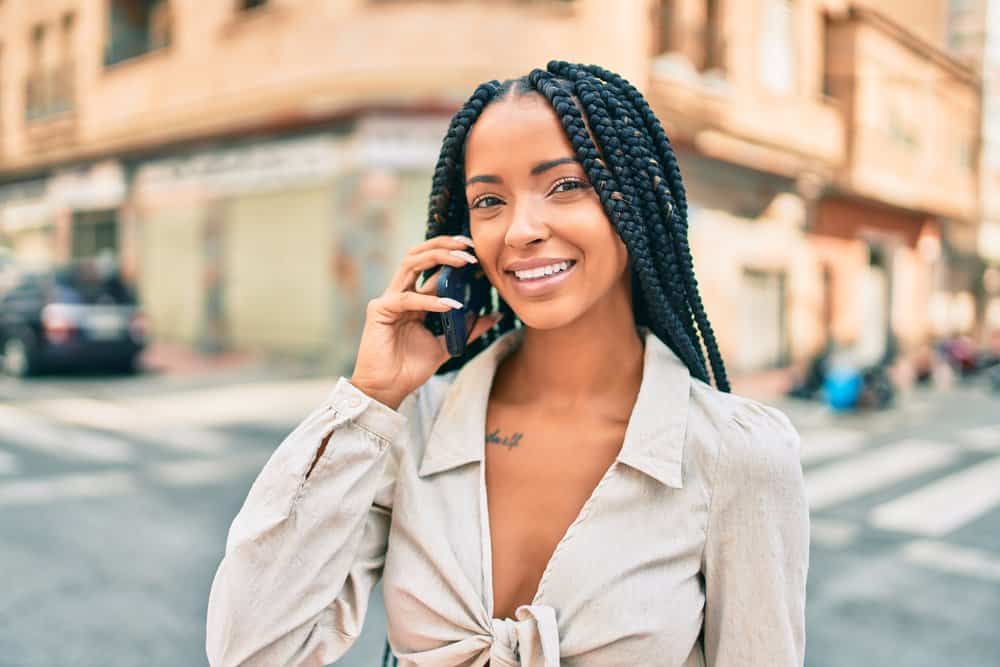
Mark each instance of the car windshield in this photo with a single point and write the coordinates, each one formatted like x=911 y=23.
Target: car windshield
x=84 y=284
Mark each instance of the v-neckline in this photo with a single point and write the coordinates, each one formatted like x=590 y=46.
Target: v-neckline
x=487 y=538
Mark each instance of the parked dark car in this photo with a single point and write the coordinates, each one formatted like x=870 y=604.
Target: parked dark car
x=71 y=317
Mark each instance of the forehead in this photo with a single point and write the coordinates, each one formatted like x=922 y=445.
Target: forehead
x=514 y=132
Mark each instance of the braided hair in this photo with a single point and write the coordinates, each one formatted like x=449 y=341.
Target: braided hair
x=636 y=176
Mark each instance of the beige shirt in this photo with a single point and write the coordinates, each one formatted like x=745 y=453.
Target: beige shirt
x=692 y=550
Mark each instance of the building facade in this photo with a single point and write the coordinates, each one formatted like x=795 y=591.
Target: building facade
x=260 y=167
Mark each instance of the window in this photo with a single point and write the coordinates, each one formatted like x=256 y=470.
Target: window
x=693 y=29
x=49 y=89
x=94 y=232
x=36 y=86
x=777 y=47
x=137 y=27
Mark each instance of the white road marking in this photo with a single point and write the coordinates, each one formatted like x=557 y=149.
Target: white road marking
x=830 y=442
x=201 y=471
x=25 y=430
x=953 y=559
x=982 y=438
x=944 y=505
x=132 y=423
x=869 y=471
x=8 y=463
x=50 y=489
x=273 y=403
x=832 y=532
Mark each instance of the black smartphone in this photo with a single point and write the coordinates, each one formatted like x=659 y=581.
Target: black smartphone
x=467 y=285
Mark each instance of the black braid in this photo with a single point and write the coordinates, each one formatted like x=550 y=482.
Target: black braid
x=652 y=207
x=634 y=171
x=679 y=219
x=629 y=225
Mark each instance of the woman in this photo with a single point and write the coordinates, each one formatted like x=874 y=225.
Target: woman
x=571 y=490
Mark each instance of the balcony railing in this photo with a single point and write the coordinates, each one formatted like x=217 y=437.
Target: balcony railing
x=49 y=93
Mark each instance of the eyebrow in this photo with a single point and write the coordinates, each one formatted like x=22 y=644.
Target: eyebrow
x=537 y=169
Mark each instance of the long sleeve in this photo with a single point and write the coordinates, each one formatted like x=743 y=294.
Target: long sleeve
x=757 y=548
x=305 y=551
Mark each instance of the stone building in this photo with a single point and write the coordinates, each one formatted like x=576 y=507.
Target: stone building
x=260 y=166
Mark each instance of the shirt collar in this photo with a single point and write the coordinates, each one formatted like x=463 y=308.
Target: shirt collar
x=654 y=437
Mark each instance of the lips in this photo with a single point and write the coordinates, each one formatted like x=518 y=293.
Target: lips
x=533 y=287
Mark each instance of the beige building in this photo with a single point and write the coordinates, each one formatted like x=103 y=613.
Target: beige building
x=260 y=166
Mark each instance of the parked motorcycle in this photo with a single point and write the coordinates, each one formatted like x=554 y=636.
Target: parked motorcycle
x=834 y=378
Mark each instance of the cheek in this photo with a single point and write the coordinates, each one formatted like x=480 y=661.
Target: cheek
x=488 y=248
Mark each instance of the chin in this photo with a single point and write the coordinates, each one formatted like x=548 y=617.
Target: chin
x=545 y=315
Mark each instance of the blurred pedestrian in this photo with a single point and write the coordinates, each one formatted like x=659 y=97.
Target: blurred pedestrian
x=632 y=514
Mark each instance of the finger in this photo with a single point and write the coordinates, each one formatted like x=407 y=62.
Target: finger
x=406 y=277
x=443 y=241
x=387 y=308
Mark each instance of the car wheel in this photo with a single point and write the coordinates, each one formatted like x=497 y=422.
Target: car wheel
x=18 y=359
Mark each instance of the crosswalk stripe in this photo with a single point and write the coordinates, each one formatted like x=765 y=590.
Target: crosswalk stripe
x=983 y=438
x=832 y=532
x=827 y=443
x=843 y=480
x=143 y=424
x=49 y=489
x=271 y=403
x=201 y=471
x=944 y=505
x=24 y=430
x=953 y=559
x=8 y=463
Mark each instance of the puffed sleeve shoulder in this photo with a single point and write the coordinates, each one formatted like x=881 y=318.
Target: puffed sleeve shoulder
x=757 y=546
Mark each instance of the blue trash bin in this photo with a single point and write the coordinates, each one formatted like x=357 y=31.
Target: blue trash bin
x=842 y=387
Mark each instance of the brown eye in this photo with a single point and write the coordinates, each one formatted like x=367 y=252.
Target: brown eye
x=476 y=204
x=572 y=181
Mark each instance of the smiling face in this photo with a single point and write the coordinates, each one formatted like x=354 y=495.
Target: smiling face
x=530 y=202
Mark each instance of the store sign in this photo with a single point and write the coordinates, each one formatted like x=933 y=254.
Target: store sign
x=400 y=142
x=101 y=186
x=262 y=166
x=35 y=203
x=23 y=206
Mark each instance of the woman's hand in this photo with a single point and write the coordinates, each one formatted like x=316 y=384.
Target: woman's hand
x=397 y=352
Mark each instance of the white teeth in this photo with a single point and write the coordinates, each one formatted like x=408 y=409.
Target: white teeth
x=542 y=271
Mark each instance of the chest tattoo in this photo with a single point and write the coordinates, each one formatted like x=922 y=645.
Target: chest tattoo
x=509 y=441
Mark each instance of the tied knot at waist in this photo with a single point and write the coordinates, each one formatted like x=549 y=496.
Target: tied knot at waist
x=532 y=640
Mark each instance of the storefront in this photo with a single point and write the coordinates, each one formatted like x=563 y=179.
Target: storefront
x=753 y=265
x=882 y=275
x=277 y=245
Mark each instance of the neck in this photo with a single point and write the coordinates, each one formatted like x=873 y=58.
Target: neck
x=574 y=365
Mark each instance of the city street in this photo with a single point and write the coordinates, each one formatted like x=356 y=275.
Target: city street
x=116 y=494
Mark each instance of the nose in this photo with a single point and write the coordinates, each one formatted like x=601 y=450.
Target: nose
x=526 y=226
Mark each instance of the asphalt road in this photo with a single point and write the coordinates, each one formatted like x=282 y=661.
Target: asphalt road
x=116 y=494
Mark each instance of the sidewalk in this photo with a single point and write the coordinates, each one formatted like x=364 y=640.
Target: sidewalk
x=178 y=359
x=182 y=367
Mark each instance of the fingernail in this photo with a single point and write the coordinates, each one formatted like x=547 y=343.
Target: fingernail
x=463 y=239
x=464 y=255
x=450 y=302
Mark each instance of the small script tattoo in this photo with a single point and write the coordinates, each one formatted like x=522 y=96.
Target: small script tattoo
x=509 y=441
